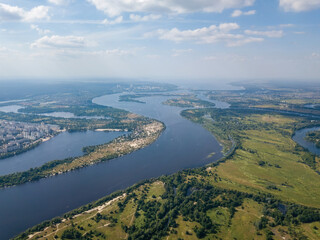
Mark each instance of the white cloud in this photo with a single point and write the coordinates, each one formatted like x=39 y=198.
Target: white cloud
x=119 y=52
x=116 y=7
x=244 y=41
x=57 y=2
x=270 y=34
x=299 y=5
x=179 y=52
x=111 y=22
x=138 y=18
x=14 y=13
x=60 y=42
x=288 y=25
x=238 y=13
x=211 y=34
x=39 y=30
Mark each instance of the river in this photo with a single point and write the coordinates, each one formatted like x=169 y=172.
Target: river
x=182 y=145
x=299 y=136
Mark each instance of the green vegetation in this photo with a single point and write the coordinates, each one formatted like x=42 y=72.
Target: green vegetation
x=132 y=98
x=265 y=159
x=272 y=96
x=314 y=137
x=188 y=101
x=186 y=206
x=115 y=118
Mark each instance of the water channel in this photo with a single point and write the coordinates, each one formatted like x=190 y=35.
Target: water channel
x=299 y=136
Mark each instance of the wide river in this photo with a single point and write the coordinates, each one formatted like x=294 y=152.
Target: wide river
x=182 y=145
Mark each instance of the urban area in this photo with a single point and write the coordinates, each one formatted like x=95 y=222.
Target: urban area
x=19 y=136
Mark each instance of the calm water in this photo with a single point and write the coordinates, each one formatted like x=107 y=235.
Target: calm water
x=10 y=108
x=182 y=145
x=60 y=147
x=16 y=108
x=71 y=115
x=299 y=138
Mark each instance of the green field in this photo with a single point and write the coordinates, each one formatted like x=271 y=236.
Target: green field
x=266 y=158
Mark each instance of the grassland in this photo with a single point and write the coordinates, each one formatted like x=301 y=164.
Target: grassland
x=266 y=158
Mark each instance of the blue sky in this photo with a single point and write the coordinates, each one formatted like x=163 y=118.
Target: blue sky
x=160 y=39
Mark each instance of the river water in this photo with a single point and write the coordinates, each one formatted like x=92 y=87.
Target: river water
x=182 y=145
x=299 y=138
x=63 y=146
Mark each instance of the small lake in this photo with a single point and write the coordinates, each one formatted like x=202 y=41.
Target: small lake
x=59 y=147
x=71 y=115
x=16 y=108
x=10 y=108
x=299 y=138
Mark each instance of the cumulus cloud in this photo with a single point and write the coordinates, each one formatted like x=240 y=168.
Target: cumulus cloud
x=39 y=30
x=201 y=35
x=111 y=22
x=58 y=2
x=299 y=5
x=116 y=7
x=60 y=42
x=211 y=34
x=238 y=13
x=138 y=18
x=14 y=13
x=270 y=34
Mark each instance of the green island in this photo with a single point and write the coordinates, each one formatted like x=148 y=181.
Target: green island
x=188 y=102
x=184 y=100
x=314 y=137
x=266 y=187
